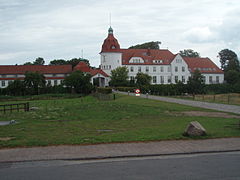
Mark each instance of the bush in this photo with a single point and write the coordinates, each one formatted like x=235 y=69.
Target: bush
x=126 y=89
x=104 y=90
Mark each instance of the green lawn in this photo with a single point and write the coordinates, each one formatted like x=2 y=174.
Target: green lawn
x=83 y=121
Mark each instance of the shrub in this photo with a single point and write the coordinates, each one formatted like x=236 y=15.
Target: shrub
x=104 y=90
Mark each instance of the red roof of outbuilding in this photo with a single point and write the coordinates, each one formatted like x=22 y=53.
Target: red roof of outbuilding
x=82 y=66
x=204 y=65
x=45 y=69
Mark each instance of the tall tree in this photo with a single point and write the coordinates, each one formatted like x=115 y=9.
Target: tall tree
x=143 y=79
x=189 y=53
x=34 y=81
x=79 y=82
x=39 y=61
x=232 y=77
x=119 y=76
x=147 y=45
x=16 y=88
x=58 y=62
x=229 y=60
x=196 y=83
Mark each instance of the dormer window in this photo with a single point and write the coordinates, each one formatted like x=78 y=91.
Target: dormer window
x=113 y=47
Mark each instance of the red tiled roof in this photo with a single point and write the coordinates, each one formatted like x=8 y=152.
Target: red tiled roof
x=148 y=55
x=82 y=66
x=204 y=65
x=110 y=44
x=45 y=69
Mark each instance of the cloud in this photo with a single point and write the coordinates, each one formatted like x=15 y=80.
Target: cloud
x=199 y=35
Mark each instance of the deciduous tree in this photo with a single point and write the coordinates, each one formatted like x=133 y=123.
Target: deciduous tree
x=119 y=77
x=189 y=53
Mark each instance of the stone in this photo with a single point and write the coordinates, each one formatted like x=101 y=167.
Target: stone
x=34 y=108
x=195 y=129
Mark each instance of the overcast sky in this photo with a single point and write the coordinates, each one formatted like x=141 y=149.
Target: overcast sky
x=55 y=29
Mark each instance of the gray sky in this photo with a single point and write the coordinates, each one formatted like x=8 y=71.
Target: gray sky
x=55 y=29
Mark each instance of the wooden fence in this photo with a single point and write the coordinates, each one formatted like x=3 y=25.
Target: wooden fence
x=12 y=107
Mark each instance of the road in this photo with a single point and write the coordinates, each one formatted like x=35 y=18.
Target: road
x=206 y=105
x=214 y=166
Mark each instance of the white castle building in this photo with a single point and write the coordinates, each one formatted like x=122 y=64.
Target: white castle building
x=162 y=65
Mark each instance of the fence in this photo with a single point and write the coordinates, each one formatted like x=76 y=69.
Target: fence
x=233 y=98
x=12 y=107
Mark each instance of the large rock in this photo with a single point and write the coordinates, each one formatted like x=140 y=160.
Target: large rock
x=195 y=129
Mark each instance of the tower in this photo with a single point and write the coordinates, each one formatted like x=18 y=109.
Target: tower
x=111 y=55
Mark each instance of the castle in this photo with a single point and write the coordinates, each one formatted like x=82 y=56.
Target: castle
x=162 y=65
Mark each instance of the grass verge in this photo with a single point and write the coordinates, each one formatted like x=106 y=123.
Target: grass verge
x=87 y=120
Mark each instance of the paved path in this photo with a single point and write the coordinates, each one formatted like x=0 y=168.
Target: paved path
x=214 y=106
x=85 y=152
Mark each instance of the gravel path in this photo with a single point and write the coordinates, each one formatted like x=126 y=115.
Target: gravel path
x=214 y=106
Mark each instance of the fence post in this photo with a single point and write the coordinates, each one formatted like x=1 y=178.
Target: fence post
x=114 y=96
x=214 y=98
x=228 y=99
x=4 y=109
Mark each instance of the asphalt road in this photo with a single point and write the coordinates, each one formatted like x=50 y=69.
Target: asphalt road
x=199 y=166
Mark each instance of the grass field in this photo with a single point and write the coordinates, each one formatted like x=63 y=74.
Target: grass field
x=87 y=120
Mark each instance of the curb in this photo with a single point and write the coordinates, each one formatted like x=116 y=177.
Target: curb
x=124 y=156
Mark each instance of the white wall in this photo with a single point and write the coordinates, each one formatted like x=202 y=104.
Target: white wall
x=110 y=61
x=179 y=63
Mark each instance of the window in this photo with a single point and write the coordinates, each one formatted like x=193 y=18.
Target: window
x=131 y=69
x=154 y=79
x=154 y=69
x=147 y=69
x=176 y=79
x=110 y=67
x=161 y=68
x=54 y=75
x=162 y=79
x=3 y=83
x=183 y=79
x=169 y=69
x=169 y=79
x=210 y=80
x=204 y=79
x=178 y=61
x=183 y=69
x=104 y=58
x=176 y=69
x=131 y=78
x=139 y=69
x=55 y=82
x=217 y=79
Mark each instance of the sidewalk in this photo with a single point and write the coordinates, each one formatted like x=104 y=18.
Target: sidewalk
x=114 y=150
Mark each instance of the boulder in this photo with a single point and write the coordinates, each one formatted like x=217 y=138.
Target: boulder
x=195 y=129
x=34 y=108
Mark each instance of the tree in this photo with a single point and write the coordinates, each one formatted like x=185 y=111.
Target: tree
x=229 y=60
x=16 y=88
x=119 y=76
x=73 y=61
x=232 y=76
x=147 y=45
x=34 y=81
x=58 y=62
x=196 y=83
x=79 y=82
x=143 y=79
x=28 y=63
x=39 y=61
x=189 y=53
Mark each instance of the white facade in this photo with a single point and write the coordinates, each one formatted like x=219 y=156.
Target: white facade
x=110 y=61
